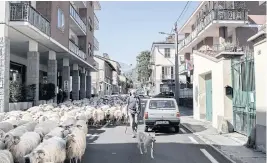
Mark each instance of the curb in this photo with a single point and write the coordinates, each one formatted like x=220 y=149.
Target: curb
x=208 y=142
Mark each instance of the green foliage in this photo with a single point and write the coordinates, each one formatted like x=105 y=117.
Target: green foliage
x=47 y=91
x=15 y=91
x=143 y=70
x=30 y=92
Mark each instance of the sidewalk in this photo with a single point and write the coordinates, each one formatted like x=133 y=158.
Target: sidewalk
x=230 y=145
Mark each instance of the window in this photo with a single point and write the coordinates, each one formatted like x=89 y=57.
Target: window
x=60 y=19
x=167 y=52
x=167 y=72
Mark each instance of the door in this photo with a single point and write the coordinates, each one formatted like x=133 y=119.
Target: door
x=208 y=97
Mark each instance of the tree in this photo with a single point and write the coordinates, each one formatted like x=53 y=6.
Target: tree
x=143 y=70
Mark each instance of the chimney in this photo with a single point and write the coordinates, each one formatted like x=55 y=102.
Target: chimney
x=170 y=39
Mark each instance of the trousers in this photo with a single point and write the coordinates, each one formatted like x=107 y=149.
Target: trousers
x=133 y=122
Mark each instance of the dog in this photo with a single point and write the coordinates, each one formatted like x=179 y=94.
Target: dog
x=147 y=140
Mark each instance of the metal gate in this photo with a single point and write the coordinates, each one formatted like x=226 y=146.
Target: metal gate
x=243 y=78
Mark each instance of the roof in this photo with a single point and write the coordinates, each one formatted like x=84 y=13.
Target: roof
x=261 y=32
x=108 y=59
x=104 y=59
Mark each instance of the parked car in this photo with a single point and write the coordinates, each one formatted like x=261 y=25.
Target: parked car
x=164 y=95
x=161 y=113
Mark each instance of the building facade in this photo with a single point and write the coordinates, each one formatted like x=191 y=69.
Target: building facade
x=162 y=63
x=260 y=50
x=48 y=41
x=104 y=76
x=216 y=40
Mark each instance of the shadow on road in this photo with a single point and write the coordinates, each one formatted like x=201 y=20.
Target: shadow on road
x=163 y=153
x=92 y=131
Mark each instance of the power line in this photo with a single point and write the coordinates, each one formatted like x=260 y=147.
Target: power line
x=185 y=8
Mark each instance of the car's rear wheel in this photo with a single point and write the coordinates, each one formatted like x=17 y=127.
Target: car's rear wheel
x=176 y=129
x=146 y=129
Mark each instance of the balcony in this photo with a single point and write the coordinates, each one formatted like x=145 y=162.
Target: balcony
x=222 y=17
x=75 y=49
x=96 y=23
x=227 y=48
x=23 y=12
x=97 y=5
x=167 y=77
x=96 y=44
x=76 y=23
x=80 y=4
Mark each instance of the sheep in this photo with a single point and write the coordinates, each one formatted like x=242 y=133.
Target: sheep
x=2 y=116
x=118 y=116
x=23 y=145
x=76 y=144
x=2 y=134
x=6 y=157
x=19 y=131
x=51 y=150
x=68 y=122
x=81 y=124
x=2 y=145
x=45 y=127
x=6 y=126
x=58 y=131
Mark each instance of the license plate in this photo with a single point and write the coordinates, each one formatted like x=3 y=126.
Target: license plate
x=162 y=122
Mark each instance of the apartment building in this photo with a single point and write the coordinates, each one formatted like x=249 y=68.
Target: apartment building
x=104 y=76
x=48 y=41
x=216 y=37
x=162 y=63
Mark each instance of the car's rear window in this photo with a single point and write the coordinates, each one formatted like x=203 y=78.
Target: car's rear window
x=162 y=104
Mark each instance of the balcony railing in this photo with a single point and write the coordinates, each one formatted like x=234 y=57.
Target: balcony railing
x=77 y=18
x=218 y=48
x=96 y=44
x=167 y=77
x=182 y=67
x=24 y=12
x=96 y=22
x=222 y=14
x=75 y=49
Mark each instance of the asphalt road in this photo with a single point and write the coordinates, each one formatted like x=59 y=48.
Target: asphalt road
x=111 y=145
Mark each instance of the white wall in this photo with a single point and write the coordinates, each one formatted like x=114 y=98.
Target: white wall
x=260 y=58
x=221 y=76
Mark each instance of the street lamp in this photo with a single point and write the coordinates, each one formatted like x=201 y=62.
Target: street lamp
x=177 y=82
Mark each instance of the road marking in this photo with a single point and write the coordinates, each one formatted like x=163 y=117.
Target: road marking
x=212 y=159
x=193 y=140
x=183 y=131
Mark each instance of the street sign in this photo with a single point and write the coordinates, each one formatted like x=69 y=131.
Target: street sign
x=66 y=86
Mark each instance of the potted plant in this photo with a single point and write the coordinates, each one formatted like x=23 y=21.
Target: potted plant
x=15 y=95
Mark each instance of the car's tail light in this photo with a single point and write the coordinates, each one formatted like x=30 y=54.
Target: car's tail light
x=178 y=114
x=146 y=115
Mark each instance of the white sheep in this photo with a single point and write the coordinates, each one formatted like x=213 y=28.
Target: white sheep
x=6 y=157
x=45 y=127
x=76 y=144
x=51 y=150
x=68 y=122
x=6 y=126
x=81 y=124
x=58 y=131
x=19 y=131
x=24 y=145
x=2 y=145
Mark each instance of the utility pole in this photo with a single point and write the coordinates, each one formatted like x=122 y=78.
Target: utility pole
x=177 y=82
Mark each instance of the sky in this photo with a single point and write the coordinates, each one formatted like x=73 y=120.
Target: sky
x=129 y=27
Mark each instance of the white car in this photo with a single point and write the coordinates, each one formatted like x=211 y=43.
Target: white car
x=161 y=112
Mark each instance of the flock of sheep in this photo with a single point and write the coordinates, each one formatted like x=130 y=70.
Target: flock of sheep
x=54 y=133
